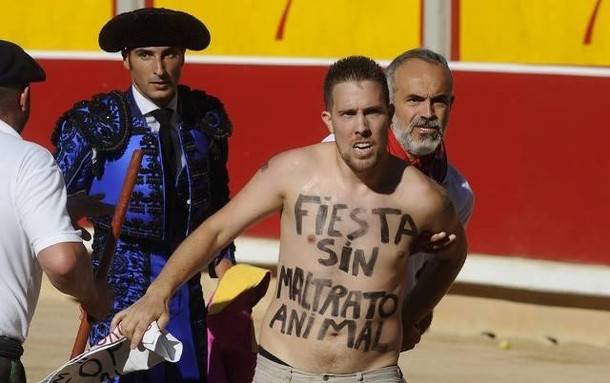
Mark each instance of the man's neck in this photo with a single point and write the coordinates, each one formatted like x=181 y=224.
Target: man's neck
x=372 y=178
x=11 y=122
x=147 y=105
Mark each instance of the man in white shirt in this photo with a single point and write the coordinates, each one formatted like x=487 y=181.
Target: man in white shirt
x=35 y=232
x=421 y=90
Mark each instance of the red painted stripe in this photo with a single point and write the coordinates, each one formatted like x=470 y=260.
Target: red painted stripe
x=114 y=7
x=455 y=30
x=149 y=3
x=591 y=24
x=279 y=35
x=537 y=169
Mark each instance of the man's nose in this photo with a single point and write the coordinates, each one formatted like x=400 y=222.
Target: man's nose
x=362 y=124
x=159 y=66
x=427 y=109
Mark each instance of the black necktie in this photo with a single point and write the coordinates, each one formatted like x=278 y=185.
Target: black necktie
x=163 y=117
x=168 y=154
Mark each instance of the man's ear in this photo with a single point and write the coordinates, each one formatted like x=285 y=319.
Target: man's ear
x=328 y=121
x=126 y=63
x=24 y=99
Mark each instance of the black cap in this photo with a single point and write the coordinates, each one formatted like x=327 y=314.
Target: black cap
x=17 y=68
x=153 y=27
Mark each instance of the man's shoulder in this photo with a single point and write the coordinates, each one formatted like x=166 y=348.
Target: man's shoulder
x=204 y=111
x=302 y=156
x=104 y=121
x=102 y=108
x=418 y=191
x=21 y=157
x=98 y=103
x=297 y=164
x=16 y=150
x=198 y=96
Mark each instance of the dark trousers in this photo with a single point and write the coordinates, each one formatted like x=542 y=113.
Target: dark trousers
x=11 y=369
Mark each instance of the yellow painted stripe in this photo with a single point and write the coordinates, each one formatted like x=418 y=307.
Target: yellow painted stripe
x=54 y=24
x=313 y=28
x=534 y=31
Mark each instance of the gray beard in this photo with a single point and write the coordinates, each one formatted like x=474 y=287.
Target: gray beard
x=421 y=147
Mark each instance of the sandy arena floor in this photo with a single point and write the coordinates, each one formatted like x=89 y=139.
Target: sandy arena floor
x=455 y=350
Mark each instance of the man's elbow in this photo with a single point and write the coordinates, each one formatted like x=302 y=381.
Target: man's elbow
x=63 y=262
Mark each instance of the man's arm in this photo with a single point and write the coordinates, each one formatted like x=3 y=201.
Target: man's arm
x=40 y=199
x=219 y=190
x=68 y=267
x=260 y=197
x=441 y=269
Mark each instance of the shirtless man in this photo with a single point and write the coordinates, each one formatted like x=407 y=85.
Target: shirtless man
x=349 y=215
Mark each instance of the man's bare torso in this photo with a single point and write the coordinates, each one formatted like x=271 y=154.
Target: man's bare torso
x=342 y=267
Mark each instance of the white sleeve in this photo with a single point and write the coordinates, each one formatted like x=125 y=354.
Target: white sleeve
x=460 y=193
x=465 y=210
x=40 y=201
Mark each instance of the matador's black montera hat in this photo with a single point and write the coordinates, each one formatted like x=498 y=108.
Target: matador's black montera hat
x=153 y=27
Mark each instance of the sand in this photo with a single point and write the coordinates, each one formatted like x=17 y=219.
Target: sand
x=541 y=344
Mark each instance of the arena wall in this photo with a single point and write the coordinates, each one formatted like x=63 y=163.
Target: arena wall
x=531 y=139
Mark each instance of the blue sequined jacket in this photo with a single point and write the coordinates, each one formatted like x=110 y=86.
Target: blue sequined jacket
x=94 y=143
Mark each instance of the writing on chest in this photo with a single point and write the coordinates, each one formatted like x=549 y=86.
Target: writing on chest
x=382 y=225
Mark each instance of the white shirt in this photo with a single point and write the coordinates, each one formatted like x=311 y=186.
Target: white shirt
x=146 y=107
x=33 y=217
x=460 y=193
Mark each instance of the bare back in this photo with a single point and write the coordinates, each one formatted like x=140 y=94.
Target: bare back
x=342 y=265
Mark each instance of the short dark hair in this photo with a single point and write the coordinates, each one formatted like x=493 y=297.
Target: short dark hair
x=423 y=54
x=354 y=68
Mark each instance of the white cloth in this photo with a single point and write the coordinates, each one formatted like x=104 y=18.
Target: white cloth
x=34 y=217
x=112 y=356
